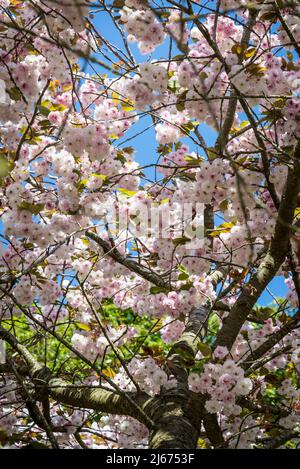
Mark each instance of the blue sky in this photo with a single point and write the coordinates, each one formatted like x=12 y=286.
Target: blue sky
x=145 y=144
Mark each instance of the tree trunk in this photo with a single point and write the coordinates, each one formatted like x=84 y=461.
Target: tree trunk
x=176 y=422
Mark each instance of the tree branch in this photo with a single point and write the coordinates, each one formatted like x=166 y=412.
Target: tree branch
x=101 y=399
x=272 y=261
x=115 y=254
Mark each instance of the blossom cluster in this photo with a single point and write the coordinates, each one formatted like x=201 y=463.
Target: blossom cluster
x=65 y=170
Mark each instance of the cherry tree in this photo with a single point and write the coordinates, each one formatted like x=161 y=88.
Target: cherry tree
x=131 y=280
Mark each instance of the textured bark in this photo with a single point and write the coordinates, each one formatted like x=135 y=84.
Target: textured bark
x=271 y=341
x=177 y=419
x=99 y=399
x=139 y=269
x=178 y=414
x=183 y=352
x=271 y=263
x=213 y=430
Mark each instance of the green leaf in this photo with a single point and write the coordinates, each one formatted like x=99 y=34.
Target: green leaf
x=156 y=290
x=109 y=372
x=127 y=105
x=82 y=326
x=45 y=124
x=249 y=52
x=205 y=349
x=15 y=94
x=46 y=103
x=183 y=276
x=187 y=286
x=189 y=127
x=127 y=192
x=35 y=209
x=180 y=105
x=129 y=150
x=58 y=107
x=180 y=241
x=173 y=86
x=296 y=214
x=280 y=103
x=224 y=228
x=33 y=141
x=269 y=16
x=223 y=205
x=101 y=176
x=185 y=354
x=179 y=57
x=44 y=110
x=212 y=154
x=5 y=166
x=164 y=201
x=81 y=184
x=264 y=312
